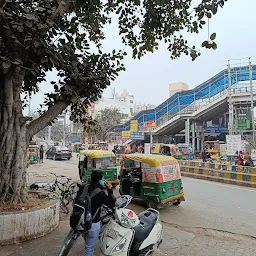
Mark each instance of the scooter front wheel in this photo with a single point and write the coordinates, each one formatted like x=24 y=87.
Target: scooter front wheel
x=69 y=242
x=146 y=252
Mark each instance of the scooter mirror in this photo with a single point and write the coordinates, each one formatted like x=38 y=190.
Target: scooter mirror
x=123 y=201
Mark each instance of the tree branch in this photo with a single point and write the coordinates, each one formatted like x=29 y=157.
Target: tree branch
x=41 y=122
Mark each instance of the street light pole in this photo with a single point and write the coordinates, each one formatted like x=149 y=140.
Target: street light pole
x=230 y=104
x=252 y=105
x=151 y=141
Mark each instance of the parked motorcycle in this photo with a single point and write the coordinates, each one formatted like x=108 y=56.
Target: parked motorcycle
x=128 y=234
x=123 y=233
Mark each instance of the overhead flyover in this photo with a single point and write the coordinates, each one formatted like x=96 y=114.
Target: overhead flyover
x=201 y=103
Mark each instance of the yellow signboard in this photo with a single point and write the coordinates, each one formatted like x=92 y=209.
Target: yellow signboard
x=126 y=134
x=134 y=125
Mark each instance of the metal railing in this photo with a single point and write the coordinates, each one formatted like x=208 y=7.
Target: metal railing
x=193 y=100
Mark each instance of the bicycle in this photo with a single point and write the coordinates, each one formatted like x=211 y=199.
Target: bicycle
x=67 y=191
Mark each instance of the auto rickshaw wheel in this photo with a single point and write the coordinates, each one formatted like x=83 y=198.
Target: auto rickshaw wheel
x=177 y=202
x=151 y=203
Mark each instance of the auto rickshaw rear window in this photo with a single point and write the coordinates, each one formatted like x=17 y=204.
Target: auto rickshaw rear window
x=104 y=163
x=131 y=164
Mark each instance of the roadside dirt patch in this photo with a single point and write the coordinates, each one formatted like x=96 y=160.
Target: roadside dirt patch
x=33 y=203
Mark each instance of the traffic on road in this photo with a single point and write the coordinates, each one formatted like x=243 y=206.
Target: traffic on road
x=215 y=217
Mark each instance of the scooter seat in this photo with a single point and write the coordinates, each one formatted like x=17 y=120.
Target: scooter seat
x=147 y=222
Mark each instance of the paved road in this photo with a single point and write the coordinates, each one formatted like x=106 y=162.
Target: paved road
x=215 y=219
x=216 y=206
x=208 y=204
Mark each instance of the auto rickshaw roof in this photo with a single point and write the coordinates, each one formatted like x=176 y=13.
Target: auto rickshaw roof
x=97 y=153
x=33 y=146
x=167 y=145
x=151 y=159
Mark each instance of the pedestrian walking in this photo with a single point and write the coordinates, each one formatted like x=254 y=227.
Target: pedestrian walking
x=248 y=159
x=41 y=154
x=240 y=158
x=204 y=155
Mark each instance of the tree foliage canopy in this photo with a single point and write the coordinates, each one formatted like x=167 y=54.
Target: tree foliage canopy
x=105 y=119
x=38 y=36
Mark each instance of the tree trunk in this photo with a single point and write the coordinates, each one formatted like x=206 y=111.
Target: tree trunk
x=15 y=134
x=14 y=140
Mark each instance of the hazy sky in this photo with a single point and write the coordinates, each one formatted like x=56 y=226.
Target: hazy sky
x=148 y=79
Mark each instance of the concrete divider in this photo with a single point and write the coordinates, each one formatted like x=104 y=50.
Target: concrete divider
x=239 y=175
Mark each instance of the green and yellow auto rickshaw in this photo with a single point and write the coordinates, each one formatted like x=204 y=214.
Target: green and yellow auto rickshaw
x=91 y=160
x=33 y=153
x=155 y=179
x=166 y=149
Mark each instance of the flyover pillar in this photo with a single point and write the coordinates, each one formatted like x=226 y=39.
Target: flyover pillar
x=197 y=137
x=193 y=135
x=187 y=131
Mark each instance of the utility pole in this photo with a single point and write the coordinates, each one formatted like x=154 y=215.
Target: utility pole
x=230 y=103
x=252 y=105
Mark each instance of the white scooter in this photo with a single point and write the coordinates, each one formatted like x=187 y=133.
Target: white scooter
x=126 y=234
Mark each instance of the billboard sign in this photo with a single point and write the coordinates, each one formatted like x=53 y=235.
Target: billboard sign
x=234 y=144
x=126 y=134
x=134 y=125
x=137 y=136
x=150 y=124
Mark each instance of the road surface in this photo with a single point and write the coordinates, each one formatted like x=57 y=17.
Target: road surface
x=215 y=219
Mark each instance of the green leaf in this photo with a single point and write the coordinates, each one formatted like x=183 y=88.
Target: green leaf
x=17 y=69
x=30 y=16
x=205 y=44
x=20 y=29
x=36 y=44
x=213 y=36
x=6 y=65
x=214 y=46
x=200 y=15
x=208 y=15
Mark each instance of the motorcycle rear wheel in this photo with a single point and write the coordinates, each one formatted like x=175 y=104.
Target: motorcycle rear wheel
x=69 y=242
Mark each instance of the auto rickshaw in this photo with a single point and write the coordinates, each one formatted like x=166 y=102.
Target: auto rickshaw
x=101 y=160
x=153 y=178
x=33 y=153
x=167 y=149
x=93 y=146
